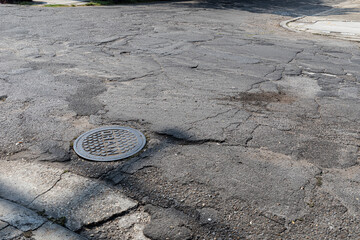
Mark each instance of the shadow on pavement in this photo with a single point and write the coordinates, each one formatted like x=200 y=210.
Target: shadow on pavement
x=167 y=212
x=291 y=8
x=186 y=203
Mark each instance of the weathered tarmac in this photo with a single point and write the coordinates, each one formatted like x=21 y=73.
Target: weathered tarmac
x=253 y=131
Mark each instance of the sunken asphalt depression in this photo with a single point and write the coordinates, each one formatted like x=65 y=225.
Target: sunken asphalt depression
x=230 y=125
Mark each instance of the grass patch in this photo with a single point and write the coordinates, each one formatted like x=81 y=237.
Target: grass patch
x=60 y=221
x=97 y=4
x=41 y=213
x=311 y=204
x=56 y=5
x=28 y=234
x=3 y=98
x=319 y=182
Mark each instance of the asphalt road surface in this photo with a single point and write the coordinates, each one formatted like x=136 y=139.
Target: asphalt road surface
x=253 y=131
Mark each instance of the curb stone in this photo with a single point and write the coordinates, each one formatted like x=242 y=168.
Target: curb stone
x=16 y=220
x=284 y=24
x=328 y=23
x=72 y=199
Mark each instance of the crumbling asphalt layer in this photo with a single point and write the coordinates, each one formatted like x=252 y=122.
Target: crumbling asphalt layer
x=253 y=132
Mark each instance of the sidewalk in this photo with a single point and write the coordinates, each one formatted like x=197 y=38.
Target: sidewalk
x=343 y=21
x=17 y=221
x=46 y=203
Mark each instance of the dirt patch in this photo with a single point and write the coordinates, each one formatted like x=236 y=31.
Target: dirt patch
x=257 y=98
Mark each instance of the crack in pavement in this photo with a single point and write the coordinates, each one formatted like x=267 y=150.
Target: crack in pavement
x=48 y=190
x=168 y=70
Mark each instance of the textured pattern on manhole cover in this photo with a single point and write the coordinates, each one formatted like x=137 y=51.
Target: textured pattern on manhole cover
x=109 y=143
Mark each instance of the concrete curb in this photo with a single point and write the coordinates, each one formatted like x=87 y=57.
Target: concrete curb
x=18 y=221
x=284 y=24
x=333 y=34
x=37 y=187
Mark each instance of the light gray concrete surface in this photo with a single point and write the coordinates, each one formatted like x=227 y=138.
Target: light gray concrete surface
x=59 y=194
x=23 y=223
x=3 y=225
x=22 y=182
x=247 y=123
x=342 y=21
x=54 y=232
x=19 y=217
x=82 y=201
x=9 y=233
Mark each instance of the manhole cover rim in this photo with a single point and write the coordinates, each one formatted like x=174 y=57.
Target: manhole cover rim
x=84 y=154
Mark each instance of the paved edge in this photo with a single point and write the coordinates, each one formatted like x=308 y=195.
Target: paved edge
x=285 y=25
x=17 y=221
x=82 y=201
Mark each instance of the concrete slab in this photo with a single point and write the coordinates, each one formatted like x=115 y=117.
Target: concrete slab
x=54 y=232
x=19 y=217
x=81 y=201
x=3 y=225
x=343 y=21
x=345 y=28
x=130 y=226
x=22 y=181
x=9 y=233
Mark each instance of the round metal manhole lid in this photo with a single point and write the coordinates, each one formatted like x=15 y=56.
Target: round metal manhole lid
x=109 y=143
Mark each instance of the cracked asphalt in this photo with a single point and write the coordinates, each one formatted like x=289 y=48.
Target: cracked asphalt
x=253 y=131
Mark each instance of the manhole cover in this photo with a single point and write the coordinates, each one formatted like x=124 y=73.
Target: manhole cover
x=109 y=143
